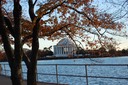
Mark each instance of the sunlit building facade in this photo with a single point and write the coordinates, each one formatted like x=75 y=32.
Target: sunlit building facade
x=64 y=48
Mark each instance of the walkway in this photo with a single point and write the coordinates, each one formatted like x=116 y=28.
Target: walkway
x=6 y=81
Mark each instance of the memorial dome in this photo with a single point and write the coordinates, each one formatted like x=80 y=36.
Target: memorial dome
x=66 y=42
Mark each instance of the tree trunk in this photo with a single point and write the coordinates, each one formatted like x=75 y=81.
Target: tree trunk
x=16 y=70
x=15 y=64
x=32 y=70
x=16 y=76
x=31 y=75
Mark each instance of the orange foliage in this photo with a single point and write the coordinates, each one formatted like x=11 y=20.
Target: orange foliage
x=71 y=17
x=2 y=56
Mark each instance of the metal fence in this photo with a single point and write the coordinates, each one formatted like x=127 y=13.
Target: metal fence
x=57 y=68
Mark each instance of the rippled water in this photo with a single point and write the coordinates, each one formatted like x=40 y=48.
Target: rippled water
x=107 y=71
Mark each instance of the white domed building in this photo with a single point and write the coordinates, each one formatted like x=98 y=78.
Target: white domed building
x=64 y=48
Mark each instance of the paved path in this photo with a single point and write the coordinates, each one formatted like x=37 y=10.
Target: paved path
x=6 y=81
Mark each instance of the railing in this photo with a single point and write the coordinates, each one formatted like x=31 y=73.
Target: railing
x=85 y=71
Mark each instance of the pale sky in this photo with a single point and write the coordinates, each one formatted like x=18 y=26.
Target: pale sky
x=48 y=43
x=102 y=5
x=123 y=41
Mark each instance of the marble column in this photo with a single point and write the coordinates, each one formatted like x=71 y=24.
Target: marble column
x=60 y=50
x=57 y=50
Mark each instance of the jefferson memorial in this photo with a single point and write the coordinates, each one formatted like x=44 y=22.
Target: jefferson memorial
x=64 y=48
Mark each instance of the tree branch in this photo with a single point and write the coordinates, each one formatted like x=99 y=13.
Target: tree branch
x=66 y=31
x=26 y=59
x=53 y=30
x=50 y=9
x=31 y=9
x=26 y=38
x=5 y=39
x=10 y=28
x=35 y=2
x=84 y=15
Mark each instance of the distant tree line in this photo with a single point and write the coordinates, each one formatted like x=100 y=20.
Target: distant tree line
x=102 y=52
x=41 y=53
